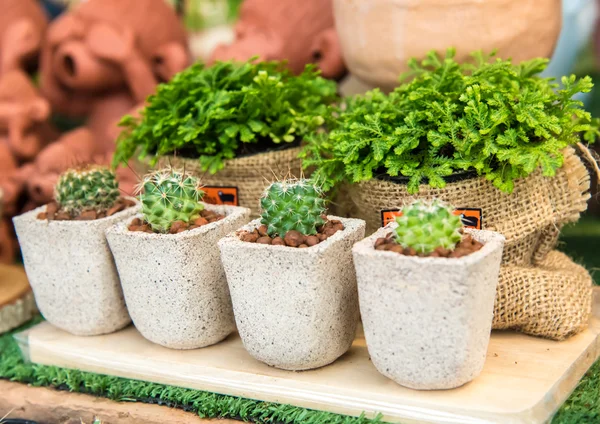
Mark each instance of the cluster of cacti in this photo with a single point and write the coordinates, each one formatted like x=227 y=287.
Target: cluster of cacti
x=296 y=204
x=91 y=187
x=425 y=226
x=169 y=195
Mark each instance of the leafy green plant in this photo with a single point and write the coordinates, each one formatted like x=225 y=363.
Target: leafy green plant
x=211 y=112
x=425 y=226
x=490 y=116
x=167 y=196
x=292 y=205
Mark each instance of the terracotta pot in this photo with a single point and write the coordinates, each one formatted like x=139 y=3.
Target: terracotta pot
x=378 y=37
x=295 y=309
x=72 y=272
x=174 y=284
x=428 y=321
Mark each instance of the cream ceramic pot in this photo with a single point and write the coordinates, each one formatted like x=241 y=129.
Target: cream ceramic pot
x=378 y=37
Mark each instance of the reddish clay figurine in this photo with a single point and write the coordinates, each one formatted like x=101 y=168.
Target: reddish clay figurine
x=22 y=27
x=98 y=62
x=107 y=47
x=300 y=32
x=23 y=116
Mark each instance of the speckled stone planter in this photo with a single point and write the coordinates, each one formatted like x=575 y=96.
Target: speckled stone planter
x=174 y=284
x=428 y=321
x=72 y=272
x=295 y=309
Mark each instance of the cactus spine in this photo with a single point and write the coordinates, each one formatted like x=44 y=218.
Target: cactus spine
x=292 y=205
x=90 y=187
x=425 y=226
x=169 y=195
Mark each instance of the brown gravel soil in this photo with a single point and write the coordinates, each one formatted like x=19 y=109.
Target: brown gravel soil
x=206 y=217
x=465 y=247
x=293 y=238
x=54 y=213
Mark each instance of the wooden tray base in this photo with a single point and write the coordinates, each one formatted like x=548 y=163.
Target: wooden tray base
x=525 y=379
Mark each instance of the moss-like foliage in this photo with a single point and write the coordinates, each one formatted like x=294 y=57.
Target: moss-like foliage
x=490 y=116
x=292 y=205
x=425 y=226
x=90 y=187
x=167 y=196
x=211 y=112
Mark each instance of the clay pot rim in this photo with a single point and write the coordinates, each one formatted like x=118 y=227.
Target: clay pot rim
x=350 y=226
x=367 y=247
x=229 y=212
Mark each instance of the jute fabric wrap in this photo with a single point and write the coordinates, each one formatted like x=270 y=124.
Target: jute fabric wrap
x=541 y=291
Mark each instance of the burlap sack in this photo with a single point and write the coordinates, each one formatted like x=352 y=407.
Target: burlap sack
x=541 y=291
x=250 y=174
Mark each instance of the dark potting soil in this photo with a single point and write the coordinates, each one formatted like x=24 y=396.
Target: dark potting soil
x=293 y=238
x=54 y=213
x=206 y=217
x=263 y=145
x=465 y=247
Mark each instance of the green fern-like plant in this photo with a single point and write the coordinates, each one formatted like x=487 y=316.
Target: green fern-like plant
x=490 y=117
x=214 y=113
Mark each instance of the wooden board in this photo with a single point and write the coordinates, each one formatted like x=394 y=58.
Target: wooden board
x=13 y=284
x=525 y=379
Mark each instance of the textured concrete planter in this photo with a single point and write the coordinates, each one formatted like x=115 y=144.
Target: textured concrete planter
x=295 y=309
x=427 y=321
x=72 y=272
x=174 y=284
x=378 y=37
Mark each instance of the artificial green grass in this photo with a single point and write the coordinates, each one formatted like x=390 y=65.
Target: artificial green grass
x=582 y=407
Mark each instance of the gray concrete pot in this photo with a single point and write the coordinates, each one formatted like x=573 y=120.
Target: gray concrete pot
x=295 y=309
x=428 y=321
x=174 y=284
x=72 y=272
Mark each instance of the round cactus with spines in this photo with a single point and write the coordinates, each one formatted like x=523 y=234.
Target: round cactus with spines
x=425 y=226
x=91 y=187
x=295 y=204
x=170 y=195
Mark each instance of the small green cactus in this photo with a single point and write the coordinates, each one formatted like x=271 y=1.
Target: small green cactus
x=91 y=187
x=292 y=205
x=169 y=195
x=425 y=226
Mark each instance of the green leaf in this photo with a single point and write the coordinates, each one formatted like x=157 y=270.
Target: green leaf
x=501 y=120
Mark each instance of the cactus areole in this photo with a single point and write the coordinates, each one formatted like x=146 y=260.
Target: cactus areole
x=91 y=187
x=425 y=226
x=292 y=205
x=168 y=196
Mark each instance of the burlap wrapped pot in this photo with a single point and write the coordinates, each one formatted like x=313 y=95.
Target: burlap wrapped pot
x=541 y=291
x=249 y=174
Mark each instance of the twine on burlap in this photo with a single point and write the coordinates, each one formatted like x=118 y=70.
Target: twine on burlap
x=540 y=292
x=250 y=174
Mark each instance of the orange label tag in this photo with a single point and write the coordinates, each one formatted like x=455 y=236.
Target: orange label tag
x=470 y=217
x=221 y=195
